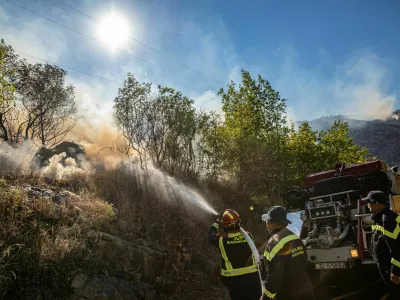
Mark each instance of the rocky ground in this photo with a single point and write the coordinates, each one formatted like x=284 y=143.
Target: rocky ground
x=56 y=244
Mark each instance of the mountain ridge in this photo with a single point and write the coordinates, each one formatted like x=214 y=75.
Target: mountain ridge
x=380 y=137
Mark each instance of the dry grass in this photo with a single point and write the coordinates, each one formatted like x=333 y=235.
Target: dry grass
x=39 y=237
x=42 y=242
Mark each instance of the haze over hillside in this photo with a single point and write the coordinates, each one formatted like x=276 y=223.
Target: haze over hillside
x=380 y=137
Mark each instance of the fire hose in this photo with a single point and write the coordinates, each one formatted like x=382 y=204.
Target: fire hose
x=256 y=255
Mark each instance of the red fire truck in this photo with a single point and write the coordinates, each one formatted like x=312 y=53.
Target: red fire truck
x=336 y=223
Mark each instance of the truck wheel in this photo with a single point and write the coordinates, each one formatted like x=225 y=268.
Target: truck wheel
x=295 y=198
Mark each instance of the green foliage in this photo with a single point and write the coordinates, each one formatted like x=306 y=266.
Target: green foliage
x=6 y=88
x=35 y=102
x=256 y=135
x=338 y=146
x=305 y=152
x=314 y=151
x=253 y=149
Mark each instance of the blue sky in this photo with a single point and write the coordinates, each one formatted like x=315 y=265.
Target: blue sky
x=339 y=57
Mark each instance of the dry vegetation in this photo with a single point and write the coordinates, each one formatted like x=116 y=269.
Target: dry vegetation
x=108 y=215
x=41 y=240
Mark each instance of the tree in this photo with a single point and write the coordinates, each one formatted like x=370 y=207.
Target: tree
x=49 y=104
x=256 y=137
x=313 y=151
x=337 y=146
x=130 y=107
x=161 y=128
x=210 y=145
x=305 y=152
x=8 y=60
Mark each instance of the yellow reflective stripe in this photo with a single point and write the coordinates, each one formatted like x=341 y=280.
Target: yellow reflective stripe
x=239 y=271
x=216 y=225
x=392 y=235
x=230 y=271
x=229 y=214
x=234 y=234
x=223 y=253
x=398 y=220
x=395 y=262
x=269 y=294
x=270 y=255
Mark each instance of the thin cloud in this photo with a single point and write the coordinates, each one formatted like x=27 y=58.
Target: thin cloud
x=358 y=88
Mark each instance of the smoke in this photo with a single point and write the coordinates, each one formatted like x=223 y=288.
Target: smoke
x=363 y=86
x=100 y=141
x=370 y=104
x=56 y=171
x=16 y=159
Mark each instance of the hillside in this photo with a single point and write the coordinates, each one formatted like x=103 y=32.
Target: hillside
x=100 y=236
x=380 y=137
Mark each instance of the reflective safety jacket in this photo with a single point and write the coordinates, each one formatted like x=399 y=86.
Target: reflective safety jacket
x=286 y=263
x=236 y=255
x=386 y=240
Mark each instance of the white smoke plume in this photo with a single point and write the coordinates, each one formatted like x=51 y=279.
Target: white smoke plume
x=57 y=171
x=16 y=159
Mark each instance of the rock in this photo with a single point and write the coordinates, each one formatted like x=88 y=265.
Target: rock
x=208 y=269
x=110 y=288
x=71 y=149
x=78 y=281
x=61 y=198
x=165 y=285
x=142 y=257
x=34 y=191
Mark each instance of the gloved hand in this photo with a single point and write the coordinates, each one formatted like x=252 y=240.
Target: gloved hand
x=395 y=279
x=217 y=222
x=219 y=217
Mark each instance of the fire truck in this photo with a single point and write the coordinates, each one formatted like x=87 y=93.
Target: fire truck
x=336 y=223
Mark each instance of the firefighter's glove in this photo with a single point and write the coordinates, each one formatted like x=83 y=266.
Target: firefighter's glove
x=219 y=217
x=263 y=266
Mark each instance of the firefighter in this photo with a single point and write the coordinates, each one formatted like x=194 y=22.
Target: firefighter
x=386 y=240
x=239 y=271
x=284 y=262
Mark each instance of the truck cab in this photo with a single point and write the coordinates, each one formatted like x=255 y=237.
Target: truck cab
x=335 y=222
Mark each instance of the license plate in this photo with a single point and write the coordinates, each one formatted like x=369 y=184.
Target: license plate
x=335 y=265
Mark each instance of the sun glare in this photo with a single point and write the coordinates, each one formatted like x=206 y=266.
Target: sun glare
x=113 y=30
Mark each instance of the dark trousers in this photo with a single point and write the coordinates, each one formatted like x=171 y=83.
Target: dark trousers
x=391 y=288
x=297 y=288
x=243 y=287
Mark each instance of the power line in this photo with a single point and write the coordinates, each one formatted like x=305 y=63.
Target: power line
x=143 y=44
x=94 y=39
x=69 y=68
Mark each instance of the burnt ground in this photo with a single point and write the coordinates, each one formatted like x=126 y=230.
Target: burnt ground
x=362 y=282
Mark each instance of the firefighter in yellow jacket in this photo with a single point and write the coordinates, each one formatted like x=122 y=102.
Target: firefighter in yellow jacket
x=386 y=241
x=284 y=262
x=239 y=269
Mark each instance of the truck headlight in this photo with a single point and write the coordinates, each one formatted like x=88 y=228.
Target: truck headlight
x=354 y=253
x=303 y=217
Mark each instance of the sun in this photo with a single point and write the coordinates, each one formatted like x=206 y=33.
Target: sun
x=113 y=30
